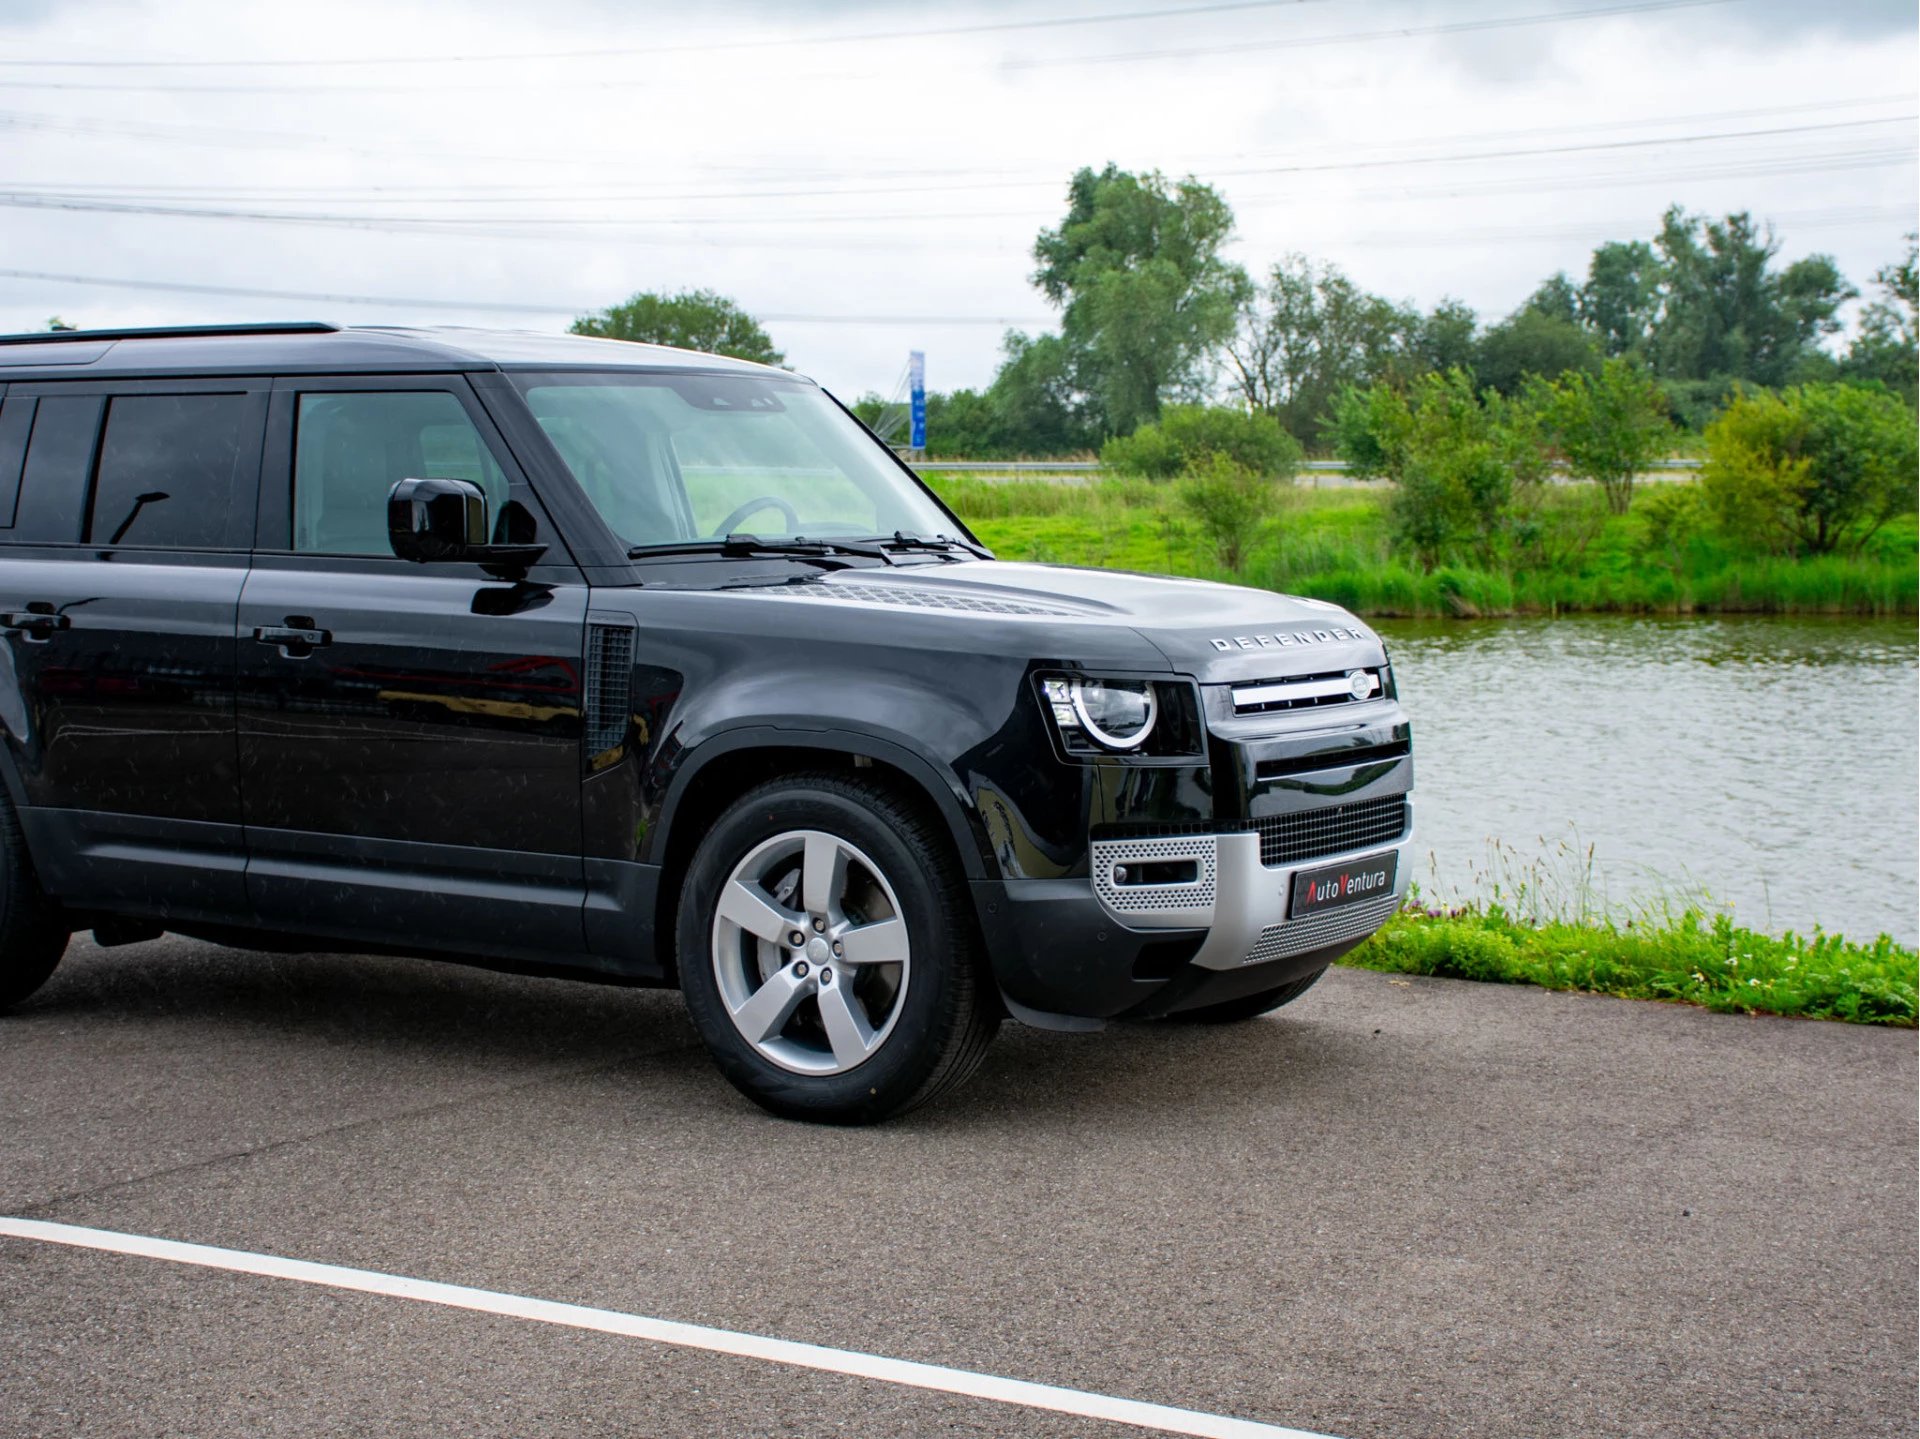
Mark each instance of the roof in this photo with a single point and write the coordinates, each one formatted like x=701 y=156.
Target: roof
x=309 y=347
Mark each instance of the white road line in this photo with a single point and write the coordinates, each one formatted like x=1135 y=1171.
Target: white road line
x=1158 y=1417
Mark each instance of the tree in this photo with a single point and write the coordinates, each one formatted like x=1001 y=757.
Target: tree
x=1811 y=469
x=1532 y=342
x=965 y=424
x=1309 y=332
x=1888 y=344
x=1145 y=295
x=1445 y=338
x=1621 y=297
x=1557 y=297
x=1726 y=310
x=689 y=320
x=1036 y=406
x=1187 y=436
x=1608 y=426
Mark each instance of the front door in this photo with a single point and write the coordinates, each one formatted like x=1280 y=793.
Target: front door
x=409 y=735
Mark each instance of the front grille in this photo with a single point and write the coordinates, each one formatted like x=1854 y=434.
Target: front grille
x=1296 y=692
x=1311 y=833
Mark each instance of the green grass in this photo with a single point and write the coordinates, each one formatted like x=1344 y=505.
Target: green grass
x=1688 y=957
x=1334 y=544
x=1546 y=920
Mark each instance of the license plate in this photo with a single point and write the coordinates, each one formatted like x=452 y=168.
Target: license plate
x=1336 y=884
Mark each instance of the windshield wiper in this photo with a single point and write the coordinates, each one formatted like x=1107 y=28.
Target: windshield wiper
x=742 y=546
x=934 y=544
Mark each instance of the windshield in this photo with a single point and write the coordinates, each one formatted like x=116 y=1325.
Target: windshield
x=673 y=458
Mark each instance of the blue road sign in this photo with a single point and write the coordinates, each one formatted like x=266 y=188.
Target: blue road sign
x=917 y=382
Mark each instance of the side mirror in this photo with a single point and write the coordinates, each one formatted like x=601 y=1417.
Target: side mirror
x=431 y=520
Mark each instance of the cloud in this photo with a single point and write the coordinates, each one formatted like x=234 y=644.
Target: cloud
x=867 y=181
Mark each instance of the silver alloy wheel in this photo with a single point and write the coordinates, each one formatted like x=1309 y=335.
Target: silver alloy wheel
x=810 y=950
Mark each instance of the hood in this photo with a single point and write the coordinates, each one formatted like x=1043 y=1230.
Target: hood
x=1213 y=631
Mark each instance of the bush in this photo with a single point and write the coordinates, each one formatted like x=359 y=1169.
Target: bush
x=1229 y=501
x=1670 y=516
x=1608 y=426
x=1458 y=460
x=1186 y=437
x=1811 y=469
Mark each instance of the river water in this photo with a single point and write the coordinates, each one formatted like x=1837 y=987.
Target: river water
x=1764 y=763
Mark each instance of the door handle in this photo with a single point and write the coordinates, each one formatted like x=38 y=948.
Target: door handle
x=37 y=625
x=297 y=638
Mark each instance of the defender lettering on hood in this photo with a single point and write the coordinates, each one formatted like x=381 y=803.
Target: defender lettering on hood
x=1289 y=639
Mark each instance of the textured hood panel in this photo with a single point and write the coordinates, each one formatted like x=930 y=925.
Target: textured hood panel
x=1217 y=632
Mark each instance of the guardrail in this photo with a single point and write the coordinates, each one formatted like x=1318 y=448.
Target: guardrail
x=1089 y=467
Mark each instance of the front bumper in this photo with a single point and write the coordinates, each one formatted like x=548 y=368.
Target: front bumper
x=1239 y=900
x=1099 y=949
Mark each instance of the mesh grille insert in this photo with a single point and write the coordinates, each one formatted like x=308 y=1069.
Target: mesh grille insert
x=609 y=687
x=1311 y=833
x=1280 y=941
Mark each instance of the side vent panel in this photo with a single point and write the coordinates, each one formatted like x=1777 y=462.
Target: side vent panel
x=609 y=692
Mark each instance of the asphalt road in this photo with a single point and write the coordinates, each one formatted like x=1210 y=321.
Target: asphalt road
x=1400 y=1208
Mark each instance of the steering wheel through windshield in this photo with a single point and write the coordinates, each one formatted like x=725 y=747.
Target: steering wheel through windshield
x=764 y=502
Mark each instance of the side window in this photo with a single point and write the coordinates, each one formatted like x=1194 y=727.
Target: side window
x=16 y=423
x=52 y=504
x=351 y=447
x=165 y=475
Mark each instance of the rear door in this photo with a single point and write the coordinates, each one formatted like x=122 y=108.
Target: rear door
x=409 y=735
x=126 y=513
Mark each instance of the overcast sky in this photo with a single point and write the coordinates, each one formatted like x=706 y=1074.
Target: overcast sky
x=869 y=178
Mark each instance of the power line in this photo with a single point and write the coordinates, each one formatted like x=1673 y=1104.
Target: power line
x=498 y=307
x=1599 y=230
x=1401 y=32
x=48 y=199
x=506 y=193
x=226 y=136
x=577 y=83
x=690 y=48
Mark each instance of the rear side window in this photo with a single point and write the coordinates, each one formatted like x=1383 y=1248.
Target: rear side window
x=16 y=423
x=165 y=473
x=352 y=447
x=53 y=490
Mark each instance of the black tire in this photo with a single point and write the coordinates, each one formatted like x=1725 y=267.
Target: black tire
x=945 y=1014
x=1250 y=1006
x=33 y=933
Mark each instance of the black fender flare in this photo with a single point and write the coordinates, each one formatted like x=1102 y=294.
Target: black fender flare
x=941 y=786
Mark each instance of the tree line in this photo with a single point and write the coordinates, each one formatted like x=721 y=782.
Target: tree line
x=1808 y=450
x=1153 y=315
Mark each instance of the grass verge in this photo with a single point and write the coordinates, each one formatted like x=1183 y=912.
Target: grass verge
x=1334 y=544
x=1688 y=957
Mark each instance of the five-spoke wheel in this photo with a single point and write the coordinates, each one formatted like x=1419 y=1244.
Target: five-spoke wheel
x=827 y=954
x=810 y=952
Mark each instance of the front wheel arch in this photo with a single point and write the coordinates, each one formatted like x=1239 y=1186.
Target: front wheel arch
x=728 y=765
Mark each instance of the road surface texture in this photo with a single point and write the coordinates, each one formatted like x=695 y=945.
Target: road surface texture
x=1399 y=1208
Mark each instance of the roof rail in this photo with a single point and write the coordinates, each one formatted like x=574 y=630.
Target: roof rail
x=169 y=332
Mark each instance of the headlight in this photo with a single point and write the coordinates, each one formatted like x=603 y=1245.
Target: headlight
x=1114 y=714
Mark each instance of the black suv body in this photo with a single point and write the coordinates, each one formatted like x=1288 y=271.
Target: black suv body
x=438 y=642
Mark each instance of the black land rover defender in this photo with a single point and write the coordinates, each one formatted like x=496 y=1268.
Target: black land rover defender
x=566 y=655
